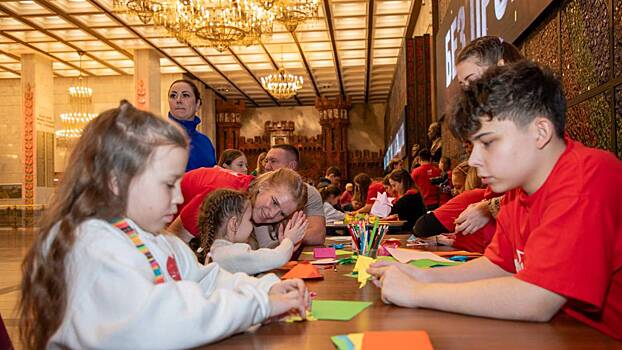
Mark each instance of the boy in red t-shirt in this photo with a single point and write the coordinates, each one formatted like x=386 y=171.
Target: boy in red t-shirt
x=558 y=243
x=421 y=176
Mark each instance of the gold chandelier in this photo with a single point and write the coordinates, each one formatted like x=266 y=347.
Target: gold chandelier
x=281 y=84
x=294 y=12
x=80 y=99
x=220 y=23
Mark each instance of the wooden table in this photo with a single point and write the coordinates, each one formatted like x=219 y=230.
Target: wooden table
x=446 y=330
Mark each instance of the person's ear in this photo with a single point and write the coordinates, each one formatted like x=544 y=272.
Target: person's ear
x=501 y=62
x=544 y=131
x=232 y=228
x=114 y=184
x=293 y=164
x=198 y=104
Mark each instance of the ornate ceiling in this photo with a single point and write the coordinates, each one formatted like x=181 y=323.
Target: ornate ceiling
x=351 y=50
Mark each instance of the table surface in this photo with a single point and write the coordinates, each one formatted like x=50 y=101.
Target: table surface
x=393 y=223
x=446 y=330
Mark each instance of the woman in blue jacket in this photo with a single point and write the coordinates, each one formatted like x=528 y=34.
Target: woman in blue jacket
x=184 y=100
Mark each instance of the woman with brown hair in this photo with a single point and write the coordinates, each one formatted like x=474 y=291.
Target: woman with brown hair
x=409 y=205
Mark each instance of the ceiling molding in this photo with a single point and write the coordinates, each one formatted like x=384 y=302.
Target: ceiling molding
x=306 y=64
x=370 y=37
x=253 y=76
x=329 y=23
x=18 y=40
x=412 y=20
x=81 y=25
x=13 y=56
x=59 y=39
x=10 y=70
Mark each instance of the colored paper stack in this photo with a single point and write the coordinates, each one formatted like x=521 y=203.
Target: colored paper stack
x=364 y=240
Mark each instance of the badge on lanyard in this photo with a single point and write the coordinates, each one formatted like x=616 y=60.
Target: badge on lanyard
x=171 y=267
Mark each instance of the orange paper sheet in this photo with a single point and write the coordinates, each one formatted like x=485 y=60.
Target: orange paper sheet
x=303 y=271
x=397 y=340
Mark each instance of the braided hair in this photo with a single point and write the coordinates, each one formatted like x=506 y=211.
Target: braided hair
x=217 y=208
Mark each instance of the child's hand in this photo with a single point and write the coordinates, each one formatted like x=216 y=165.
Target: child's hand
x=287 y=296
x=296 y=227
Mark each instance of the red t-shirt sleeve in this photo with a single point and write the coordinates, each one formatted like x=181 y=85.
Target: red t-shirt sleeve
x=372 y=192
x=449 y=212
x=189 y=215
x=574 y=264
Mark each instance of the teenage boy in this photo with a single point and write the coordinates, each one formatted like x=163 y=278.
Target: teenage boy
x=558 y=244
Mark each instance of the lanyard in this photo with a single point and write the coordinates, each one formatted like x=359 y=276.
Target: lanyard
x=124 y=226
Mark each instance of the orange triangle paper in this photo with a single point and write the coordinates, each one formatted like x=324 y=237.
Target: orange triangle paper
x=303 y=271
x=397 y=340
x=289 y=265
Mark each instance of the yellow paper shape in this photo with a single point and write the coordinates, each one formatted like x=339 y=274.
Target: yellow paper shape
x=362 y=264
x=357 y=340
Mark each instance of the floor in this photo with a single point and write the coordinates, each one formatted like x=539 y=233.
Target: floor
x=14 y=244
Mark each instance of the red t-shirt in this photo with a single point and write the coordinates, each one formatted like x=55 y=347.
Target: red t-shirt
x=449 y=212
x=421 y=176
x=346 y=198
x=198 y=183
x=372 y=192
x=567 y=236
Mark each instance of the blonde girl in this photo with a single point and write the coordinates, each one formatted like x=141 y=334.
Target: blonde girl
x=225 y=226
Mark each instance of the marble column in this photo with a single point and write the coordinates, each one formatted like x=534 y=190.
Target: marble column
x=37 y=86
x=147 y=80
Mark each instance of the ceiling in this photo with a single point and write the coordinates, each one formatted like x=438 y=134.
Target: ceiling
x=351 y=49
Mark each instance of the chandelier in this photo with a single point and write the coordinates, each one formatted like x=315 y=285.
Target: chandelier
x=80 y=100
x=281 y=84
x=220 y=23
x=294 y=12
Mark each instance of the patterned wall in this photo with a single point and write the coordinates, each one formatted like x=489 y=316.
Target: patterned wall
x=581 y=43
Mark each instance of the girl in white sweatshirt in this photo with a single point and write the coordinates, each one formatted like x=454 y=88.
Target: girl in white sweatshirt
x=100 y=275
x=225 y=225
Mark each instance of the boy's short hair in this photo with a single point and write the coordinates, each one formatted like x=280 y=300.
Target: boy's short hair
x=333 y=170
x=519 y=92
x=425 y=155
x=293 y=151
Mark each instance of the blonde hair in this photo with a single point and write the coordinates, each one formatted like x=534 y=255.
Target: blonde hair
x=282 y=177
x=217 y=208
x=115 y=147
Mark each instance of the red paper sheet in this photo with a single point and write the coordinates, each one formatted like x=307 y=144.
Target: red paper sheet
x=323 y=253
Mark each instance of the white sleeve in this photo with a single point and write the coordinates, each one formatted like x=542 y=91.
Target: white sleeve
x=240 y=257
x=119 y=306
x=332 y=214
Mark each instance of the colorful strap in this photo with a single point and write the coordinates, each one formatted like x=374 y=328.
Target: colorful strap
x=124 y=226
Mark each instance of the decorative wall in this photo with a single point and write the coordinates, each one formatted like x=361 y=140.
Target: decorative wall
x=581 y=41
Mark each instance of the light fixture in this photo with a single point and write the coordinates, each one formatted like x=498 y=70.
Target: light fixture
x=294 y=12
x=282 y=84
x=80 y=99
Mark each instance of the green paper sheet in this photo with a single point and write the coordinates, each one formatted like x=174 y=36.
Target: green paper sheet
x=427 y=263
x=337 y=310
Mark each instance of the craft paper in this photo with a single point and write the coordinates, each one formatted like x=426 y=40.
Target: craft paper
x=339 y=238
x=303 y=271
x=342 y=342
x=322 y=253
x=457 y=252
x=427 y=263
x=289 y=265
x=357 y=340
x=296 y=318
x=338 y=252
x=397 y=340
x=382 y=205
x=362 y=264
x=337 y=310
x=406 y=255
x=327 y=261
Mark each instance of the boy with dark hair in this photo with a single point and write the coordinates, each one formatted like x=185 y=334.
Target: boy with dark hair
x=558 y=243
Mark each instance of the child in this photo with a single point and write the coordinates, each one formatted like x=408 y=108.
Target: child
x=234 y=160
x=225 y=224
x=422 y=175
x=330 y=196
x=410 y=205
x=99 y=274
x=558 y=243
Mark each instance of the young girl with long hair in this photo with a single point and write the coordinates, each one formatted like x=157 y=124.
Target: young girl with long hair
x=225 y=226
x=100 y=274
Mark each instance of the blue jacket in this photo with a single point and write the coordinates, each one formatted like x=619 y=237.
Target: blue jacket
x=202 y=153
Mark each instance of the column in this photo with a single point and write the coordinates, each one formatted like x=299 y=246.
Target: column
x=147 y=80
x=37 y=86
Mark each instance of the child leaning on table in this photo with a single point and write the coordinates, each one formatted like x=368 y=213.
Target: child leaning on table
x=225 y=226
x=558 y=241
x=100 y=274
